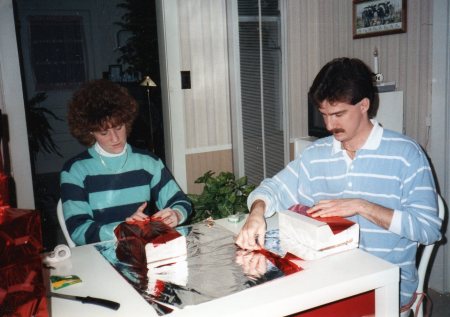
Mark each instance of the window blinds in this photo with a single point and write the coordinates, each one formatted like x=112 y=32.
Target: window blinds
x=260 y=65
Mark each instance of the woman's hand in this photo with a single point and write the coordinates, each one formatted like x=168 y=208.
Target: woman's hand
x=139 y=214
x=169 y=216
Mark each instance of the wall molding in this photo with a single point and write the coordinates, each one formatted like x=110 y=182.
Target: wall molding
x=206 y=149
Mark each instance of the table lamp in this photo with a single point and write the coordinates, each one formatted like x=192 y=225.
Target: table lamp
x=148 y=82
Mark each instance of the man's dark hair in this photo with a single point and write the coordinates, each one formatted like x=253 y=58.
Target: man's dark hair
x=346 y=80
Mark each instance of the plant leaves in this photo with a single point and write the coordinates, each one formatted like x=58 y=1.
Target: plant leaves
x=222 y=196
x=39 y=129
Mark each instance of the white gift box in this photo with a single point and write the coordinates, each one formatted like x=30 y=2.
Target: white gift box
x=175 y=273
x=311 y=239
x=171 y=251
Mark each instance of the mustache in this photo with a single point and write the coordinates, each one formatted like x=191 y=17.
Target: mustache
x=338 y=130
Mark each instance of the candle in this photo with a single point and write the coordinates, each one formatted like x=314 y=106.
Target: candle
x=375 y=61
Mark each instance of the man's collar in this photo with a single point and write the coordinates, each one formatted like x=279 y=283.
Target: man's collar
x=372 y=142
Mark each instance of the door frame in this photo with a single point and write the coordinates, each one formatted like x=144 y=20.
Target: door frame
x=440 y=130
x=171 y=93
x=12 y=103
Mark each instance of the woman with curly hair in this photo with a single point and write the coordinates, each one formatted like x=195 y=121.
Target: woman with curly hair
x=112 y=181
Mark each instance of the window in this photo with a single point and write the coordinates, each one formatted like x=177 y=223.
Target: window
x=263 y=125
x=57 y=51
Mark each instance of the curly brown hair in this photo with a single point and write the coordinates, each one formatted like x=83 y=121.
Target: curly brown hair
x=99 y=105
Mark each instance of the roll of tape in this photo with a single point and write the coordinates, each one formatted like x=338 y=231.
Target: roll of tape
x=59 y=254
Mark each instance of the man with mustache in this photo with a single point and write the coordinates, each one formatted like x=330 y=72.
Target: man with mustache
x=375 y=177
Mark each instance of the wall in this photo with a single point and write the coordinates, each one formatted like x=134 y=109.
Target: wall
x=440 y=131
x=203 y=49
x=317 y=31
x=320 y=30
x=100 y=31
x=12 y=104
x=199 y=163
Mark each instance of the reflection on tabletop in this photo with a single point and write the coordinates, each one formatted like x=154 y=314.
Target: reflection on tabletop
x=215 y=267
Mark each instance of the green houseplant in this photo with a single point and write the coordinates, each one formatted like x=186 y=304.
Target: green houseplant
x=39 y=128
x=222 y=196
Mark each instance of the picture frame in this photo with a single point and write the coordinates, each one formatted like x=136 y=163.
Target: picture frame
x=378 y=17
x=115 y=73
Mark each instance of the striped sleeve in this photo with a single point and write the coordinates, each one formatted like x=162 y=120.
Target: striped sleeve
x=78 y=213
x=167 y=194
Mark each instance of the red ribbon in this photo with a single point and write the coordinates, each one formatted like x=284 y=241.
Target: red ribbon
x=283 y=263
x=151 y=229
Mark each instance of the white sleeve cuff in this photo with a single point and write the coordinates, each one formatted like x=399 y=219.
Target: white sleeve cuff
x=396 y=223
x=268 y=212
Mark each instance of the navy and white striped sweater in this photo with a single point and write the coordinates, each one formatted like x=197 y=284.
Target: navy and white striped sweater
x=98 y=195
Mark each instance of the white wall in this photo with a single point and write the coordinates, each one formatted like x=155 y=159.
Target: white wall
x=440 y=130
x=204 y=52
x=320 y=30
x=12 y=104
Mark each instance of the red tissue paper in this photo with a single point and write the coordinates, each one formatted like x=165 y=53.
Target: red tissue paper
x=20 y=235
x=22 y=288
x=133 y=236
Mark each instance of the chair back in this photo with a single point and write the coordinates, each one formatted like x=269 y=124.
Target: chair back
x=62 y=224
x=425 y=257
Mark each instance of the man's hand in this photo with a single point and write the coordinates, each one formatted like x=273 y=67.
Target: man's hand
x=377 y=214
x=252 y=233
x=253 y=264
x=337 y=207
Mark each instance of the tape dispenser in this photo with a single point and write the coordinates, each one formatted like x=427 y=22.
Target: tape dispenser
x=60 y=253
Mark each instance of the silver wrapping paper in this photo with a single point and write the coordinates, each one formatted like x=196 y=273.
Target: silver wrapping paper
x=215 y=267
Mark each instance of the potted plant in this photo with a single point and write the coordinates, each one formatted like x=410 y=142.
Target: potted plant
x=223 y=196
x=39 y=129
x=40 y=138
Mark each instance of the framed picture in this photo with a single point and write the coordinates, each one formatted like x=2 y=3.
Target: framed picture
x=378 y=17
x=115 y=73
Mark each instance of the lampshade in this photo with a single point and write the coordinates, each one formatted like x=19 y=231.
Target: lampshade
x=148 y=82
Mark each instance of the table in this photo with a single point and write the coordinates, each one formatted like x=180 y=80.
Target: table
x=322 y=281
